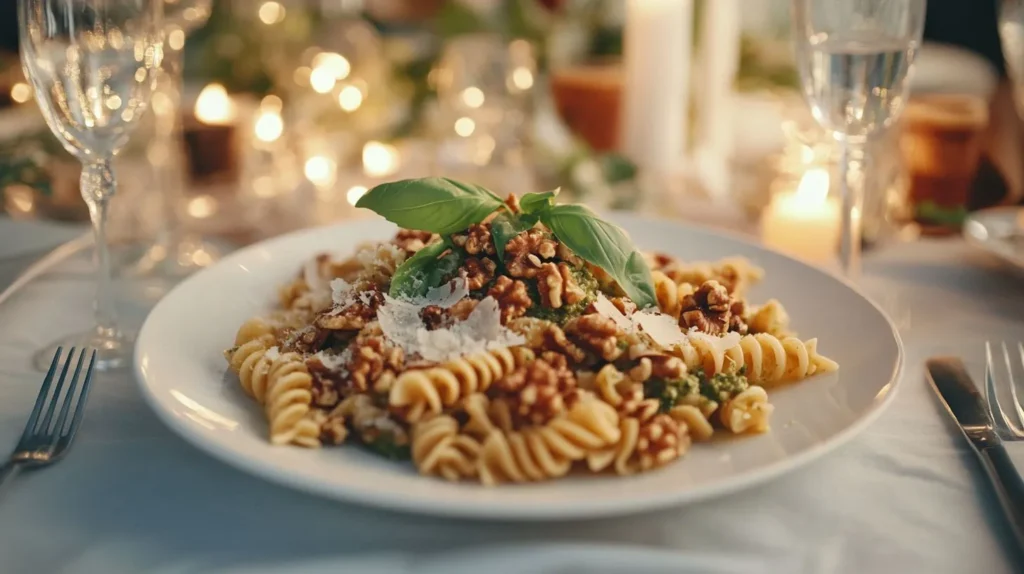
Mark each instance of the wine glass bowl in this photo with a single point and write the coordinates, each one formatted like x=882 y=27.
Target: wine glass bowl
x=93 y=65
x=855 y=59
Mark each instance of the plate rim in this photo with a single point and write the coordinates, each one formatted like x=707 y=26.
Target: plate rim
x=634 y=504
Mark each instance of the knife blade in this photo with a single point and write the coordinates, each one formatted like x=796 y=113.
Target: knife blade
x=950 y=380
x=969 y=409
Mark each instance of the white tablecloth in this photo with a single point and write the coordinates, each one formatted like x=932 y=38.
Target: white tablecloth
x=906 y=496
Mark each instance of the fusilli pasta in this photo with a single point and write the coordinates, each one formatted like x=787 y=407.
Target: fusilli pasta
x=439 y=449
x=287 y=402
x=766 y=358
x=417 y=393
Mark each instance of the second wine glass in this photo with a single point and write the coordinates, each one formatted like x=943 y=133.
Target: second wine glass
x=855 y=58
x=92 y=64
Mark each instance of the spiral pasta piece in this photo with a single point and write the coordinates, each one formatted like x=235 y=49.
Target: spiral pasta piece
x=254 y=329
x=696 y=421
x=539 y=453
x=439 y=449
x=646 y=442
x=747 y=412
x=669 y=294
x=418 y=393
x=251 y=363
x=767 y=359
x=287 y=402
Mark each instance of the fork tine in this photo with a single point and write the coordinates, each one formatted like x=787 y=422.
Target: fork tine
x=41 y=399
x=69 y=434
x=992 y=393
x=1016 y=402
x=1013 y=390
x=43 y=426
x=66 y=407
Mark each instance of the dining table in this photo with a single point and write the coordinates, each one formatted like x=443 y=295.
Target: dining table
x=907 y=495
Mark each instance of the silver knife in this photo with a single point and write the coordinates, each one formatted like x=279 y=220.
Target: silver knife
x=951 y=382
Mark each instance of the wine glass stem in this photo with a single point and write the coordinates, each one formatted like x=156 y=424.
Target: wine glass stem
x=98 y=187
x=852 y=161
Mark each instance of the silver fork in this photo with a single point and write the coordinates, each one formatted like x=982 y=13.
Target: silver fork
x=1005 y=426
x=44 y=441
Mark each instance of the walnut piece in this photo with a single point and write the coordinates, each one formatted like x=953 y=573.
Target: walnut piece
x=434 y=317
x=707 y=309
x=737 y=316
x=512 y=297
x=475 y=240
x=479 y=272
x=661 y=439
x=597 y=333
x=461 y=309
x=355 y=313
x=374 y=363
x=333 y=430
x=538 y=391
x=412 y=240
x=544 y=335
x=557 y=286
x=512 y=202
x=519 y=249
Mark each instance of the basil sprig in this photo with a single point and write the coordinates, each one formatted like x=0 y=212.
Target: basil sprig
x=424 y=271
x=435 y=204
x=605 y=245
x=445 y=207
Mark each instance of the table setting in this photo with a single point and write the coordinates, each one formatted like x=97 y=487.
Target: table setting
x=484 y=285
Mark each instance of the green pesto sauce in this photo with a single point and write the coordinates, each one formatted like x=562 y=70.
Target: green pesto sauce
x=718 y=388
x=385 y=446
x=587 y=282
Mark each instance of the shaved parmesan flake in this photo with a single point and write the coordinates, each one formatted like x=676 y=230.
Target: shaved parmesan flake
x=662 y=328
x=608 y=309
x=341 y=291
x=272 y=354
x=401 y=323
x=334 y=361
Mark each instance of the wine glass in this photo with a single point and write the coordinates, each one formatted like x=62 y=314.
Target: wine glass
x=1011 y=34
x=855 y=58
x=174 y=253
x=92 y=64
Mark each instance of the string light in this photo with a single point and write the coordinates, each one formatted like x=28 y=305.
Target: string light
x=354 y=193
x=379 y=159
x=202 y=206
x=465 y=127
x=473 y=97
x=333 y=63
x=21 y=92
x=269 y=126
x=271 y=13
x=350 y=98
x=322 y=80
x=320 y=170
x=522 y=78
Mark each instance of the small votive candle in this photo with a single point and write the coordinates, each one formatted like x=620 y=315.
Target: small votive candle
x=805 y=223
x=210 y=137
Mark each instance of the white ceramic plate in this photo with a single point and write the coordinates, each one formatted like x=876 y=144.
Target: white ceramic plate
x=182 y=375
x=999 y=231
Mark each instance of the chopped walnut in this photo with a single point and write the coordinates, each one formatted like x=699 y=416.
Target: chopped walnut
x=538 y=391
x=353 y=314
x=597 y=333
x=512 y=203
x=737 y=314
x=372 y=359
x=512 y=297
x=333 y=430
x=707 y=309
x=544 y=335
x=519 y=249
x=307 y=340
x=660 y=440
x=558 y=286
x=412 y=240
x=434 y=317
x=475 y=240
x=479 y=272
x=461 y=309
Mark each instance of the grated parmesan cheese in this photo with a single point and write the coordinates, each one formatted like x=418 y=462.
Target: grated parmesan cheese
x=341 y=291
x=481 y=331
x=334 y=361
x=272 y=354
x=663 y=329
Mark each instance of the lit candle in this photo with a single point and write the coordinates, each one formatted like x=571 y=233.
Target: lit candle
x=657 y=63
x=804 y=223
x=209 y=137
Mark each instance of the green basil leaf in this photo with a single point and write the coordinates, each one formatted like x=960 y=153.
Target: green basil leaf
x=605 y=245
x=537 y=202
x=435 y=204
x=423 y=271
x=506 y=226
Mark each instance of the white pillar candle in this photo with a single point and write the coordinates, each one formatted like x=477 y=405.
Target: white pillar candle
x=719 y=62
x=806 y=222
x=657 y=65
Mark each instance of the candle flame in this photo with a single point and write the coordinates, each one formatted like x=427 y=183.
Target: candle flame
x=813 y=188
x=214 y=106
